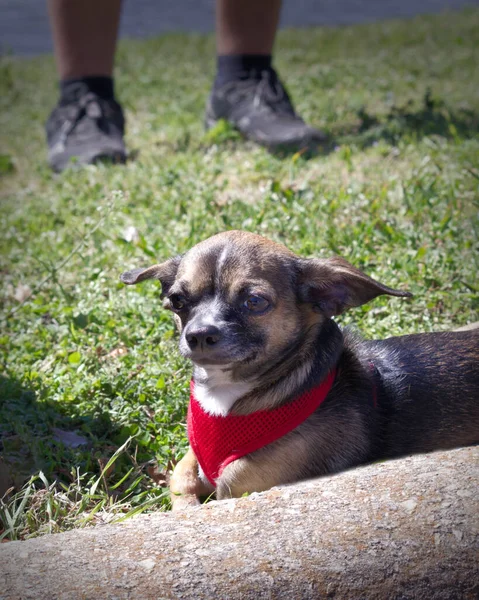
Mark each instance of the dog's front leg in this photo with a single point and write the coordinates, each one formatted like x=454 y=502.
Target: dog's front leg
x=243 y=476
x=186 y=486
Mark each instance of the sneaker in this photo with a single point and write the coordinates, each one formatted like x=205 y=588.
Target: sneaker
x=89 y=128
x=260 y=108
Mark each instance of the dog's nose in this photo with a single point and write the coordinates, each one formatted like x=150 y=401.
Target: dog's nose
x=203 y=338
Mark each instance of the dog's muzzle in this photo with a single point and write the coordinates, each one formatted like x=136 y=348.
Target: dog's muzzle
x=204 y=343
x=208 y=344
x=203 y=338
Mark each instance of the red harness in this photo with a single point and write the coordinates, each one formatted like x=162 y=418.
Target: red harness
x=219 y=440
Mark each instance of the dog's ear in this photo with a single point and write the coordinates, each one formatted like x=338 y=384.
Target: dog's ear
x=165 y=272
x=333 y=285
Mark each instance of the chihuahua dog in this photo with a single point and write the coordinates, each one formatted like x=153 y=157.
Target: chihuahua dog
x=279 y=392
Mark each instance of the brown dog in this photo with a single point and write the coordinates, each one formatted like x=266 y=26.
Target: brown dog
x=280 y=392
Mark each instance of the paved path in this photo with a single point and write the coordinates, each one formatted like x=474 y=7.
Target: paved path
x=24 y=28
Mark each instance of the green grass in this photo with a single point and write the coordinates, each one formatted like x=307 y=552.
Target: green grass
x=398 y=197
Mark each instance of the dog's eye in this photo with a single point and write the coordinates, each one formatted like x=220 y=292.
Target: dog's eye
x=256 y=304
x=177 y=301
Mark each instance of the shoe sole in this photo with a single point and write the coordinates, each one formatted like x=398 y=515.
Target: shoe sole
x=59 y=163
x=305 y=144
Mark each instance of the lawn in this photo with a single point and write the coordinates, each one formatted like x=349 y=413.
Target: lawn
x=93 y=392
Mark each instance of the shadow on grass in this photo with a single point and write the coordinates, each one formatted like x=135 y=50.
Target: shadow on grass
x=432 y=118
x=35 y=436
x=50 y=482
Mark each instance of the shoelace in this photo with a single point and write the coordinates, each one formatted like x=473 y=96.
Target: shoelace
x=89 y=105
x=267 y=91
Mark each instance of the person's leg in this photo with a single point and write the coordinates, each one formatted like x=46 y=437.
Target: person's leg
x=246 y=27
x=247 y=91
x=245 y=33
x=87 y=123
x=84 y=36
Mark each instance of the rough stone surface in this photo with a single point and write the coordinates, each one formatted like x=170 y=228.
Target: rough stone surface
x=398 y=530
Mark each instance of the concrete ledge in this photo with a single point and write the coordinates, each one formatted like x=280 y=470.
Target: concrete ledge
x=403 y=529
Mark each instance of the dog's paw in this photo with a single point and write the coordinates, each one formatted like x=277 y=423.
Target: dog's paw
x=183 y=501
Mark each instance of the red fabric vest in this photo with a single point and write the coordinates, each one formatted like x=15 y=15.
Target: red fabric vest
x=219 y=440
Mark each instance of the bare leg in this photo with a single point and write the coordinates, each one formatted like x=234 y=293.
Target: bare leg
x=246 y=26
x=84 y=35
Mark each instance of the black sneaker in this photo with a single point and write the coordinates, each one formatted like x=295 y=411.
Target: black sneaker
x=260 y=108
x=90 y=129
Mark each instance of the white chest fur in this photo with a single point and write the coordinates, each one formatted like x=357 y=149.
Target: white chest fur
x=215 y=391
